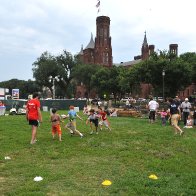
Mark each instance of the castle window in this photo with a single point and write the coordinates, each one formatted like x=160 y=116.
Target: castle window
x=105 y=33
x=105 y=57
x=101 y=32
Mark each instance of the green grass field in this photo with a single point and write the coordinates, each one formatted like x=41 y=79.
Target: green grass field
x=126 y=156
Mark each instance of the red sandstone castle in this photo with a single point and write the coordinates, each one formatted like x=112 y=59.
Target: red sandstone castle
x=99 y=52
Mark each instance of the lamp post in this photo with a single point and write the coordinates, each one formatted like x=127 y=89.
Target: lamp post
x=52 y=80
x=163 y=74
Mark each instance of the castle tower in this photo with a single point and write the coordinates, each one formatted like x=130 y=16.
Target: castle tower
x=103 y=48
x=173 y=49
x=151 y=49
x=145 y=49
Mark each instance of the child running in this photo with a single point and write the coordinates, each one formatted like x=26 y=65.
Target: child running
x=71 y=126
x=93 y=119
x=55 y=120
x=104 y=119
x=163 y=114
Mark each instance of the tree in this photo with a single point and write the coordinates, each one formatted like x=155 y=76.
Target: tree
x=56 y=66
x=67 y=62
x=190 y=57
x=46 y=66
x=83 y=74
x=25 y=87
x=100 y=81
x=106 y=81
x=178 y=73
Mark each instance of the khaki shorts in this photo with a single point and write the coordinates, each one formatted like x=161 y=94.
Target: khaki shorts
x=174 y=119
x=72 y=125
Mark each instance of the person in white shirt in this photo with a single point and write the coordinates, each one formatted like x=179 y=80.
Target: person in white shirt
x=185 y=109
x=152 y=106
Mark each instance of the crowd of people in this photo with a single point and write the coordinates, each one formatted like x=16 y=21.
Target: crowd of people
x=175 y=111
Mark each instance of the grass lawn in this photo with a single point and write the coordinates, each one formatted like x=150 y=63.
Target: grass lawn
x=126 y=156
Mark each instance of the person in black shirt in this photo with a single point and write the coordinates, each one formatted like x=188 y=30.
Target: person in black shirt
x=194 y=115
x=175 y=116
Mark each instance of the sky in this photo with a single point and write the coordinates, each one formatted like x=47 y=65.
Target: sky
x=28 y=28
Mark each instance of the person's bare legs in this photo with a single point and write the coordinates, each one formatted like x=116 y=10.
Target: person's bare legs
x=60 y=138
x=178 y=129
x=78 y=132
x=70 y=130
x=33 y=137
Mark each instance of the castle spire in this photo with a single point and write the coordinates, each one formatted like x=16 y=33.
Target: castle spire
x=145 y=43
x=91 y=44
x=145 y=49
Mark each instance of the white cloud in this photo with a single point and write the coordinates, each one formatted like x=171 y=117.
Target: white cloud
x=28 y=28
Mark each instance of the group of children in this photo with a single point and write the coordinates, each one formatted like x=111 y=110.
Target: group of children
x=97 y=119
x=93 y=120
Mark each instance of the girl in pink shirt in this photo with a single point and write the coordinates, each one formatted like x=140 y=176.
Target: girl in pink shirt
x=163 y=114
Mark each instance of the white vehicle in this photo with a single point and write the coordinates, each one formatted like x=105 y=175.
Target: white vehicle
x=126 y=98
x=160 y=99
x=19 y=111
x=141 y=100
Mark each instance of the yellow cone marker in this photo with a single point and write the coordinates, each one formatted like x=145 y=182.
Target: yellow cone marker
x=153 y=176
x=106 y=183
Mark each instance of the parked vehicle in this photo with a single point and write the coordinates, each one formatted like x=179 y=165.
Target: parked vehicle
x=160 y=99
x=96 y=101
x=126 y=98
x=141 y=100
x=16 y=109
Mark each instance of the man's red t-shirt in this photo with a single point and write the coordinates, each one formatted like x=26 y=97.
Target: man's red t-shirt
x=32 y=107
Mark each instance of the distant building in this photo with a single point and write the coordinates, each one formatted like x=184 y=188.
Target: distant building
x=99 y=52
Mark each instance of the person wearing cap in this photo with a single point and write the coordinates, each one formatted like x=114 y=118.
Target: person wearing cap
x=186 y=106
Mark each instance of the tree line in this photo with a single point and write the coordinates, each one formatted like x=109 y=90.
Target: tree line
x=180 y=72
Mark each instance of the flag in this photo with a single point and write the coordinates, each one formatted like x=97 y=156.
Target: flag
x=98 y=6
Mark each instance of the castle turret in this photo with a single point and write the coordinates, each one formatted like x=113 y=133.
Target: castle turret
x=88 y=52
x=151 y=49
x=173 y=49
x=103 y=48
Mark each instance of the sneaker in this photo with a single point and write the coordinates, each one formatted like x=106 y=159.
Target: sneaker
x=97 y=133
x=32 y=142
x=82 y=136
x=91 y=132
x=182 y=133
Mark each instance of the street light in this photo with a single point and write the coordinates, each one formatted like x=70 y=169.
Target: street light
x=163 y=74
x=52 y=79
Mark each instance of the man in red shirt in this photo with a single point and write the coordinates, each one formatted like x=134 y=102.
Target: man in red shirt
x=33 y=115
